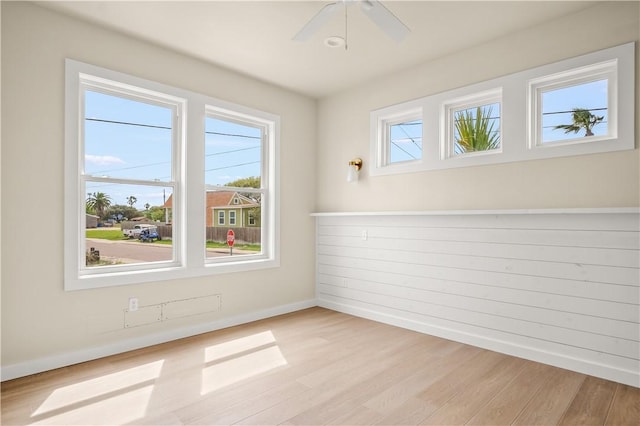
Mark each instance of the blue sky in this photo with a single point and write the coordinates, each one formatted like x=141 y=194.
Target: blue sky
x=132 y=140
x=589 y=96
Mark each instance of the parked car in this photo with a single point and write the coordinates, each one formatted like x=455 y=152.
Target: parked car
x=137 y=230
x=149 y=235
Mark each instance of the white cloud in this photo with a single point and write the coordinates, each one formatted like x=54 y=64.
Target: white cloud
x=103 y=160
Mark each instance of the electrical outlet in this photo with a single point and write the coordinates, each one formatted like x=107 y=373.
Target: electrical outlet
x=133 y=304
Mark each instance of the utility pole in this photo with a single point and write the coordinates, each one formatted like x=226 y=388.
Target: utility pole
x=166 y=210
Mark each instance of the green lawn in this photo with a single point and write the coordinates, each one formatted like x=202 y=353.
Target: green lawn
x=105 y=234
x=213 y=244
x=114 y=234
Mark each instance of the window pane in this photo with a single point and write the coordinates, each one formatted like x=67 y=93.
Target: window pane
x=232 y=153
x=242 y=211
x=575 y=111
x=476 y=129
x=127 y=224
x=405 y=141
x=126 y=139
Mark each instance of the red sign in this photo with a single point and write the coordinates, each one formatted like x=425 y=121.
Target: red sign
x=231 y=237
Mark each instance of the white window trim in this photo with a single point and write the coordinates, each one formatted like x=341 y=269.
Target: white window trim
x=189 y=235
x=114 y=88
x=381 y=122
x=447 y=125
x=221 y=215
x=515 y=120
x=232 y=218
x=269 y=178
x=587 y=74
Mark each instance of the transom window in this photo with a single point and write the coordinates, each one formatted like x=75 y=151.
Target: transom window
x=581 y=105
x=473 y=125
x=574 y=106
x=398 y=143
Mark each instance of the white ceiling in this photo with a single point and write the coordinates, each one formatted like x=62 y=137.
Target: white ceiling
x=255 y=38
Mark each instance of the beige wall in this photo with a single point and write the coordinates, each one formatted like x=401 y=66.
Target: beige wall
x=604 y=180
x=39 y=319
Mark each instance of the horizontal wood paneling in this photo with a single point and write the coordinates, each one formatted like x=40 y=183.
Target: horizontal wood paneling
x=565 y=285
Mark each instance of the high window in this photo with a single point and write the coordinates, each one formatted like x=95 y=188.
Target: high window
x=581 y=105
x=575 y=106
x=473 y=125
x=126 y=184
x=398 y=144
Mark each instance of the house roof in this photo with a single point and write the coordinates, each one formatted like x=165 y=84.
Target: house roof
x=221 y=199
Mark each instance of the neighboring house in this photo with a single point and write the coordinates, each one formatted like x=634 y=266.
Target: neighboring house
x=92 y=221
x=229 y=209
x=141 y=219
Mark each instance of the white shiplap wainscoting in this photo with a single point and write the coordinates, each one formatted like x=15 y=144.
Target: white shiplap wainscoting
x=555 y=286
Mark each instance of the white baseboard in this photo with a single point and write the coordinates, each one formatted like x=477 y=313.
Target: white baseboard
x=22 y=369
x=627 y=377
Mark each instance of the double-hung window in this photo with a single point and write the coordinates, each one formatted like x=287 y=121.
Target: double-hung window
x=133 y=212
x=236 y=176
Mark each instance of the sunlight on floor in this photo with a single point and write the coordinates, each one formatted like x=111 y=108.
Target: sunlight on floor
x=116 y=410
x=240 y=359
x=235 y=346
x=101 y=398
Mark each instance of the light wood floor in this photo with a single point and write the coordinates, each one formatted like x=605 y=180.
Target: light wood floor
x=316 y=367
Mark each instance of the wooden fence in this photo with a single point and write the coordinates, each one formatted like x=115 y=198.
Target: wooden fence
x=219 y=234
x=242 y=235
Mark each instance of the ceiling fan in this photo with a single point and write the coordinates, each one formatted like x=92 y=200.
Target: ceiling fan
x=380 y=15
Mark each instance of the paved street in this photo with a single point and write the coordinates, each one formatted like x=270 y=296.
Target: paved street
x=133 y=251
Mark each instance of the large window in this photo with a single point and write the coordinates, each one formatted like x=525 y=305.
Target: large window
x=129 y=140
x=127 y=143
x=236 y=146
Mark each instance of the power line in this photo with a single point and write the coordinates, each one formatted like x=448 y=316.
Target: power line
x=404 y=150
x=567 y=112
x=599 y=122
x=229 y=167
x=233 y=135
x=126 y=123
x=153 y=126
x=169 y=162
x=410 y=138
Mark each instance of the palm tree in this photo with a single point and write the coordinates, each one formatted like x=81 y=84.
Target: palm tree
x=476 y=132
x=582 y=119
x=99 y=202
x=131 y=200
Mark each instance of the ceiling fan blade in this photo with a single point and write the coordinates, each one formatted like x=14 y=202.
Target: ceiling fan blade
x=385 y=19
x=316 y=22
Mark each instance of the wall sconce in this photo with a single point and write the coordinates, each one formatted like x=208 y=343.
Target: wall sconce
x=354 y=167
